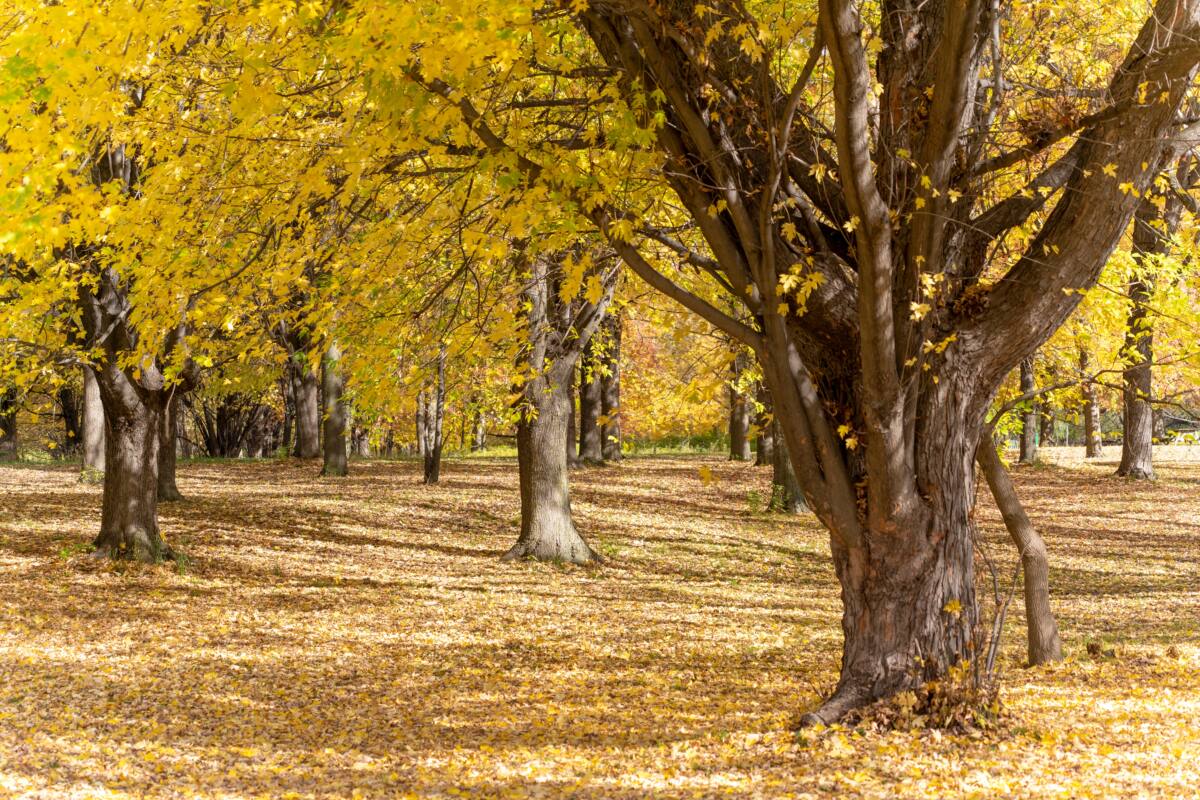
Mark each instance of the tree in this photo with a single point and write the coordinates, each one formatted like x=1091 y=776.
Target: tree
x=610 y=389
x=8 y=423
x=333 y=386
x=435 y=414
x=1092 y=435
x=556 y=329
x=739 y=409
x=591 y=399
x=92 y=424
x=1030 y=433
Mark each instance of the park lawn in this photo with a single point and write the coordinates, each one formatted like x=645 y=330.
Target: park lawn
x=359 y=637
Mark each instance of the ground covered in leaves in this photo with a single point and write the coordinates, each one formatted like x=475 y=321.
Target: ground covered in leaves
x=359 y=637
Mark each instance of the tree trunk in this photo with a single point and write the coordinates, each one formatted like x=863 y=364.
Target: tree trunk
x=334 y=441
x=479 y=434
x=1029 y=419
x=739 y=413
x=1093 y=437
x=129 y=516
x=422 y=413
x=591 y=450
x=610 y=390
x=572 y=426
x=435 y=423
x=786 y=494
x=548 y=530
x=68 y=403
x=168 y=432
x=764 y=454
x=93 y=424
x=306 y=391
x=1044 y=642
x=8 y=423
x=289 y=408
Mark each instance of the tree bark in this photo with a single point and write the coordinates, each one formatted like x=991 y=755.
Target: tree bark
x=334 y=442
x=1093 y=437
x=93 y=424
x=1029 y=419
x=572 y=421
x=552 y=349
x=69 y=406
x=8 y=423
x=610 y=390
x=479 y=434
x=739 y=413
x=764 y=451
x=1044 y=642
x=591 y=450
x=435 y=420
x=168 y=433
x=306 y=391
x=786 y=494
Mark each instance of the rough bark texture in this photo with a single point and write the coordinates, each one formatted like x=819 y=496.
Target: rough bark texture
x=555 y=331
x=1029 y=419
x=333 y=446
x=306 y=392
x=92 y=424
x=591 y=450
x=168 y=433
x=1093 y=437
x=610 y=389
x=1044 y=642
x=739 y=413
x=786 y=494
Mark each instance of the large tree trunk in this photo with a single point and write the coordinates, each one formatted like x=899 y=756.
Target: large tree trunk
x=334 y=442
x=1044 y=642
x=8 y=423
x=168 y=433
x=610 y=390
x=129 y=516
x=435 y=418
x=306 y=392
x=1093 y=437
x=1029 y=419
x=786 y=494
x=93 y=425
x=739 y=412
x=548 y=530
x=591 y=450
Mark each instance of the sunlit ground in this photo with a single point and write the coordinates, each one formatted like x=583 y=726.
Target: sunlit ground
x=359 y=637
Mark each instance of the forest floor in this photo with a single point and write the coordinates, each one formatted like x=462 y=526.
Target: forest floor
x=360 y=638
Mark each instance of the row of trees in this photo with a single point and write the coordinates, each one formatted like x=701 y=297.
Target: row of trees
x=887 y=209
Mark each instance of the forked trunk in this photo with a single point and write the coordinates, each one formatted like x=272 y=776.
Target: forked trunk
x=305 y=391
x=334 y=443
x=129 y=515
x=1044 y=642
x=93 y=425
x=548 y=531
x=168 y=423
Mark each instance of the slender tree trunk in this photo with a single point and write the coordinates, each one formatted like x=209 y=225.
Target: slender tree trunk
x=289 y=408
x=765 y=438
x=1093 y=437
x=336 y=413
x=1029 y=420
x=68 y=403
x=168 y=433
x=786 y=494
x=479 y=434
x=548 y=530
x=572 y=426
x=93 y=425
x=739 y=414
x=1044 y=642
x=1137 y=441
x=422 y=432
x=435 y=423
x=306 y=391
x=8 y=423
x=591 y=450
x=129 y=515
x=610 y=390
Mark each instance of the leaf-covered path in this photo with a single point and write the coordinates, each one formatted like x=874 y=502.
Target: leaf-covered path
x=358 y=637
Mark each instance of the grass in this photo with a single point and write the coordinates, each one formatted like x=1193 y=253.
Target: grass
x=328 y=637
